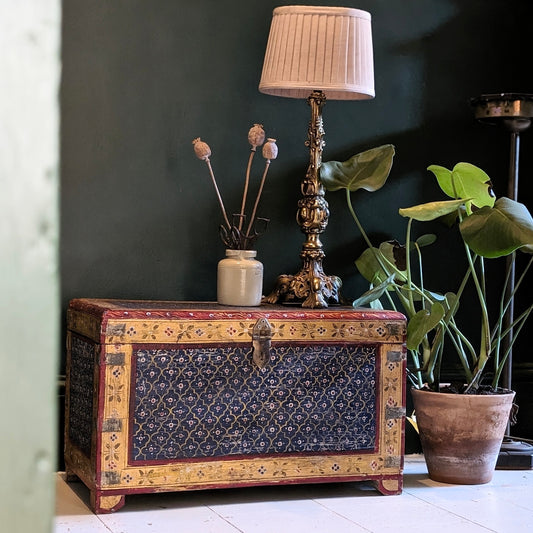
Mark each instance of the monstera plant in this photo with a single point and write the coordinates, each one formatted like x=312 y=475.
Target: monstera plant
x=488 y=227
x=462 y=427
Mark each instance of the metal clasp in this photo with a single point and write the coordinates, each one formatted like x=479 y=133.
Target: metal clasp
x=261 y=337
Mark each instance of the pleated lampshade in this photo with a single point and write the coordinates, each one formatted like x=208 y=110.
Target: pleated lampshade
x=319 y=48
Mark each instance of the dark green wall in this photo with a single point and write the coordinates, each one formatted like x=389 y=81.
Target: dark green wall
x=142 y=79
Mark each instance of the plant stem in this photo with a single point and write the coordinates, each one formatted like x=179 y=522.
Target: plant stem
x=258 y=197
x=212 y=174
x=246 y=184
x=357 y=223
x=499 y=333
x=416 y=360
x=407 y=302
x=458 y=340
x=517 y=324
x=504 y=305
x=484 y=348
x=420 y=272
x=408 y=263
x=496 y=334
x=391 y=301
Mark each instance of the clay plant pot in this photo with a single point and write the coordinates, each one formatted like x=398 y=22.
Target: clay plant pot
x=461 y=434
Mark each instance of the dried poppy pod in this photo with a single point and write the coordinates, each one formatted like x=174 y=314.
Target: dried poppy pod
x=270 y=149
x=256 y=136
x=201 y=149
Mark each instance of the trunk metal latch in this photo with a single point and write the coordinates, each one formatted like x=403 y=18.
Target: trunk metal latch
x=261 y=337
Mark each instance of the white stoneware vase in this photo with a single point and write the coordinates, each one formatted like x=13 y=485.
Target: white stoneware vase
x=240 y=279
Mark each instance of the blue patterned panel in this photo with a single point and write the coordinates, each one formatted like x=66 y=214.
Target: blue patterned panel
x=81 y=393
x=208 y=402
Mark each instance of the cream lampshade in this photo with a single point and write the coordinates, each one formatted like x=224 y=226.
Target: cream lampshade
x=316 y=52
x=319 y=48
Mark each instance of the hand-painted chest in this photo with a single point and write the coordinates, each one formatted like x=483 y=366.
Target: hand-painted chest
x=169 y=396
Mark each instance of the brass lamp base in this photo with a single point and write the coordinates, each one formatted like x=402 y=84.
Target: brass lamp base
x=310 y=287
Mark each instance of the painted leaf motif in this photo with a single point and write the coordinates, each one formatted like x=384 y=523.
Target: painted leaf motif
x=367 y=170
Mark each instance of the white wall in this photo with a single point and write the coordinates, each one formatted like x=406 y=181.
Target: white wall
x=29 y=310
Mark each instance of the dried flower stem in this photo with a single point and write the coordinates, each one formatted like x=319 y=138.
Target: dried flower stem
x=232 y=234
x=211 y=173
x=259 y=192
x=246 y=184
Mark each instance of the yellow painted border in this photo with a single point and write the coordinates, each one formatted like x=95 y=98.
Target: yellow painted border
x=177 y=475
x=213 y=331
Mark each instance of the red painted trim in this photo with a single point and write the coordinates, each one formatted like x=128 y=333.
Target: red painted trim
x=168 y=310
x=255 y=483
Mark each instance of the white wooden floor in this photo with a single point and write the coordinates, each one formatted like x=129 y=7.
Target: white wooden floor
x=503 y=505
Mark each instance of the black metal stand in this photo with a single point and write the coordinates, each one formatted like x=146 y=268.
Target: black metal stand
x=514 y=111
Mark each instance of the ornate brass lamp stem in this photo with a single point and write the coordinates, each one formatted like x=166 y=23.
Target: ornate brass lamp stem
x=311 y=287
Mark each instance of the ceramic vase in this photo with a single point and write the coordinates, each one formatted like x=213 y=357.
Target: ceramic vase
x=240 y=279
x=461 y=434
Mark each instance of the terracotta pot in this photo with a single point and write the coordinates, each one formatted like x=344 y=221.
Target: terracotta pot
x=461 y=434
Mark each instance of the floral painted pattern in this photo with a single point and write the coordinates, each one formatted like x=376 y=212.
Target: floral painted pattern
x=215 y=402
x=80 y=408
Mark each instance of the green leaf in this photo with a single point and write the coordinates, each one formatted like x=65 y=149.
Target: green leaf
x=367 y=265
x=373 y=294
x=450 y=219
x=435 y=296
x=417 y=297
x=473 y=183
x=431 y=210
x=376 y=305
x=465 y=181
x=451 y=304
x=426 y=240
x=389 y=252
x=444 y=179
x=367 y=170
x=500 y=230
x=422 y=323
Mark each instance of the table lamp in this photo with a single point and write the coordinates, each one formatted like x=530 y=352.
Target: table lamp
x=315 y=53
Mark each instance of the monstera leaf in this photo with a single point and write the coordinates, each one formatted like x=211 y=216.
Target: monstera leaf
x=422 y=323
x=500 y=230
x=465 y=181
x=373 y=294
x=389 y=253
x=431 y=210
x=368 y=170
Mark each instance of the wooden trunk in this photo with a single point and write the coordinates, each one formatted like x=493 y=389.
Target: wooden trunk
x=169 y=396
